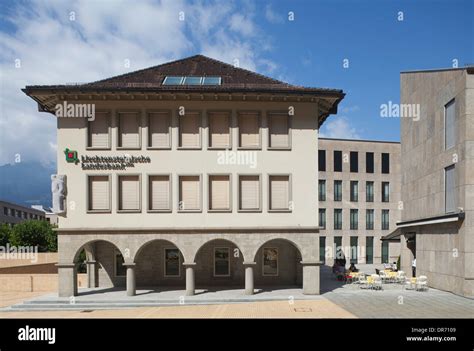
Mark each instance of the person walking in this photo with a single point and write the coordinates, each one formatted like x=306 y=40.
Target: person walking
x=413 y=267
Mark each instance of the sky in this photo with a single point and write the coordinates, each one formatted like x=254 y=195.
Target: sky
x=359 y=46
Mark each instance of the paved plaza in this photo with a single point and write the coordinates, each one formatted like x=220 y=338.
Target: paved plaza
x=337 y=300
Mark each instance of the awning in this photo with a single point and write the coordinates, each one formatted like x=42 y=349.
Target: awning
x=393 y=236
x=450 y=217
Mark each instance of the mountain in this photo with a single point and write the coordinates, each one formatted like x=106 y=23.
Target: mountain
x=26 y=183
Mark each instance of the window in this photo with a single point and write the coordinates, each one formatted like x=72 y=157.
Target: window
x=354 y=191
x=322 y=190
x=385 y=253
x=449 y=125
x=322 y=160
x=99 y=193
x=249 y=130
x=129 y=193
x=369 y=250
x=190 y=130
x=322 y=249
x=280 y=193
x=369 y=191
x=211 y=81
x=129 y=130
x=354 y=219
x=337 y=161
x=385 y=191
x=5 y=211
x=249 y=193
x=338 y=190
x=189 y=193
x=219 y=130
x=369 y=219
x=159 y=193
x=270 y=261
x=338 y=218
x=369 y=162
x=221 y=262
x=173 y=80
x=385 y=163
x=354 y=242
x=449 y=189
x=279 y=131
x=385 y=219
x=219 y=193
x=120 y=269
x=322 y=218
x=159 y=130
x=98 y=131
x=354 y=161
x=172 y=263
x=192 y=81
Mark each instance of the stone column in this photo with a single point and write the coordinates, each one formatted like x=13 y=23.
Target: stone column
x=190 y=284
x=249 y=281
x=67 y=279
x=131 y=284
x=92 y=276
x=310 y=277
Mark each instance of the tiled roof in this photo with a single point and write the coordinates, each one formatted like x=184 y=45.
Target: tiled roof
x=233 y=79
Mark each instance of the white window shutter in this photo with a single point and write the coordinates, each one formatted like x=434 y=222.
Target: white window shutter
x=129 y=130
x=279 y=192
x=129 y=193
x=189 y=130
x=249 y=193
x=279 y=131
x=99 y=193
x=160 y=193
x=219 y=127
x=190 y=193
x=249 y=130
x=219 y=192
x=159 y=130
x=99 y=131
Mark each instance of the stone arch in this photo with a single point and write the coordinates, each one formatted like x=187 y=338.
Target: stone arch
x=203 y=244
x=287 y=270
x=150 y=241
x=295 y=244
x=76 y=250
x=211 y=270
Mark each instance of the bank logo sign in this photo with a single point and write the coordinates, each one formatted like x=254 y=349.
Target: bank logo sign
x=96 y=162
x=71 y=156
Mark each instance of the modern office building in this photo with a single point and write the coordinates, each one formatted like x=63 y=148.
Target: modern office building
x=359 y=199
x=12 y=214
x=191 y=173
x=437 y=159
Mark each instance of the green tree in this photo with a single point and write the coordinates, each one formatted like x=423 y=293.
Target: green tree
x=35 y=233
x=5 y=233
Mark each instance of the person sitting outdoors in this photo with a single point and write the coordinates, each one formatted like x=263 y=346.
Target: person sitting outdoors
x=353 y=268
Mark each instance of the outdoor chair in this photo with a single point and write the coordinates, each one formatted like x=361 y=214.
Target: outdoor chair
x=422 y=283
x=383 y=276
x=363 y=281
x=401 y=277
x=377 y=282
x=410 y=283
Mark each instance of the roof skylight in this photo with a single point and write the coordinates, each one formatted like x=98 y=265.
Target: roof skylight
x=192 y=80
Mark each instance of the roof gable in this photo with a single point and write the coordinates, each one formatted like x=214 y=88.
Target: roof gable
x=197 y=65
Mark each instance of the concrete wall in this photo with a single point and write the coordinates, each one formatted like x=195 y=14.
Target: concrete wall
x=34 y=282
x=346 y=146
x=445 y=253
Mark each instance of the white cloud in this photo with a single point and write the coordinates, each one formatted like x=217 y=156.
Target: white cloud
x=272 y=16
x=52 y=49
x=338 y=127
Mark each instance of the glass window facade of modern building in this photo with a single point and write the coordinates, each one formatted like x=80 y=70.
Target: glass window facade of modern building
x=369 y=219
x=338 y=218
x=338 y=190
x=354 y=220
x=322 y=190
x=354 y=191
x=385 y=219
x=369 y=191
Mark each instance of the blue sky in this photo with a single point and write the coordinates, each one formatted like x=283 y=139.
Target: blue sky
x=53 y=47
